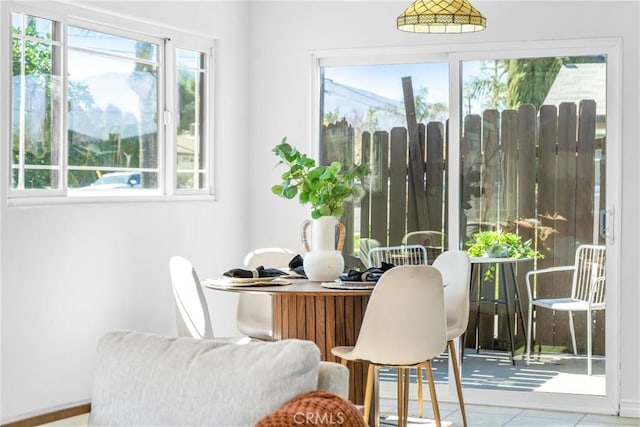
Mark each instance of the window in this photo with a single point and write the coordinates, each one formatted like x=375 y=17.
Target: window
x=95 y=110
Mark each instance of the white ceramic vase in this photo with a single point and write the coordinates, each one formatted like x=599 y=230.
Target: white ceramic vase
x=322 y=262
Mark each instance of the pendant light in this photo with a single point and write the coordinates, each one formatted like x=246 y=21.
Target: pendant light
x=441 y=16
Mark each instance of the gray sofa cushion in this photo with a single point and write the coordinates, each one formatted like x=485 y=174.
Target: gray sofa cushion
x=334 y=377
x=147 y=380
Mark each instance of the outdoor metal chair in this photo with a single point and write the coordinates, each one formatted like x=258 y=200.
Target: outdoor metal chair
x=398 y=255
x=433 y=241
x=587 y=293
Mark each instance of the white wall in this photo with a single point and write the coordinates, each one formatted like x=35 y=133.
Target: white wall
x=70 y=273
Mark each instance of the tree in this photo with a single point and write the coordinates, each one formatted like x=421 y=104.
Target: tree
x=490 y=85
x=513 y=82
x=426 y=111
x=529 y=80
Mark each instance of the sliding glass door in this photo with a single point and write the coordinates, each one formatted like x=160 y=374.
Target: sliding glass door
x=460 y=143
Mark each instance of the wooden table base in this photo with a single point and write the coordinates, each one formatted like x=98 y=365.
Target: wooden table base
x=329 y=321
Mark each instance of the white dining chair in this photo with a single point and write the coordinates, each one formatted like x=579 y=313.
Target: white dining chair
x=366 y=244
x=404 y=326
x=587 y=293
x=192 y=310
x=254 y=314
x=455 y=267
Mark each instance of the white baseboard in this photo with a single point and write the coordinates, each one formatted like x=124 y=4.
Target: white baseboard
x=630 y=408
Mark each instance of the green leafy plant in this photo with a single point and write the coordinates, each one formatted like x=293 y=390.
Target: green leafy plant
x=500 y=244
x=323 y=188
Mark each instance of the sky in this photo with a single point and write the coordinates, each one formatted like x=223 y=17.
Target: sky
x=386 y=80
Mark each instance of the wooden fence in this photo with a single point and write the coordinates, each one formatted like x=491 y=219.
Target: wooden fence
x=532 y=172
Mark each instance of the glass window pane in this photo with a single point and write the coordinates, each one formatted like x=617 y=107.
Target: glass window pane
x=35 y=27
x=364 y=119
x=36 y=104
x=190 y=181
x=112 y=44
x=190 y=59
x=532 y=142
x=190 y=141
x=16 y=23
x=40 y=28
x=112 y=118
x=41 y=179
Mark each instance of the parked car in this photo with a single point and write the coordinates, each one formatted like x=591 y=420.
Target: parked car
x=115 y=180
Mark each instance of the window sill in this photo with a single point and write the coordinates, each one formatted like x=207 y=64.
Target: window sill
x=88 y=199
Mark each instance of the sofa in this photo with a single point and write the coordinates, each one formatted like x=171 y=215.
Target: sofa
x=149 y=380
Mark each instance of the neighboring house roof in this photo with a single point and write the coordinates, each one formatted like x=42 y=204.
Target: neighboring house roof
x=576 y=82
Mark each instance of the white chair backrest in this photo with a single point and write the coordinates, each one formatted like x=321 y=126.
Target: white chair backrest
x=366 y=244
x=269 y=258
x=455 y=267
x=398 y=255
x=430 y=238
x=189 y=298
x=254 y=313
x=404 y=322
x=433 y=241
x=589 y=266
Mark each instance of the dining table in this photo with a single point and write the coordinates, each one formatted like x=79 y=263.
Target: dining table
x=307 y=310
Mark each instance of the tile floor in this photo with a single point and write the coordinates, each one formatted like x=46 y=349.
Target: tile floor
x=493 y=370
x=477 y=416
x=494 y=416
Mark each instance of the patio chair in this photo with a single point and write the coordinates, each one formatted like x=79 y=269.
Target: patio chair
x=587 y=293
x=254 y=315
x=404 y=326
x=398 y=255
x=432 y=240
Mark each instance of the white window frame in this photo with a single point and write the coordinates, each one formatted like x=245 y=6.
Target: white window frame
x=454 y=55
x=208 y=97
x=168 y=39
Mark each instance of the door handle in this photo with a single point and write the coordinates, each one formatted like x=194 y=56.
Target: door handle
x=606 y=225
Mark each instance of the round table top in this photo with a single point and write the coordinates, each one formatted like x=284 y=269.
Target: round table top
x=300 y=287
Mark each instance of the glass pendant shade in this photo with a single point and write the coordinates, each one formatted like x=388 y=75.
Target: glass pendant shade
x=441 y=16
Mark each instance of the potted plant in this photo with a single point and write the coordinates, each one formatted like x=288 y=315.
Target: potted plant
x=325 y=189
x=500 y=244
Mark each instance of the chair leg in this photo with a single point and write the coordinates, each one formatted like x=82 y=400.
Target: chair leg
x=400 y=397
x=432 y=392
x=529 y=322
x=420 y=395
x=405 y=409
x=589 y=350
x=456 y=374
x=368 y=392
x=573 y=333
x=343 y=362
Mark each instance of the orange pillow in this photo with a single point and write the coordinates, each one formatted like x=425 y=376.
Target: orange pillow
x=315 y=408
